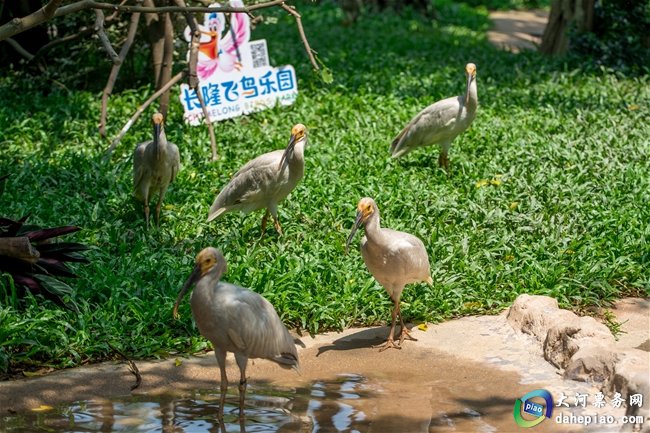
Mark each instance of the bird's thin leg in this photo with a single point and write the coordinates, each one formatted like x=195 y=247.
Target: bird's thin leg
x=146 y=208
x=242 y=361
x=221 y=360
x=265 y=218
x=405 y=334
x=390 y=343
x=276 y=221
x=159 y=205
x=443 y=158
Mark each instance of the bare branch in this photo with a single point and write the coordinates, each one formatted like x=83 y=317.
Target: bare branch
x=301 y=30
x=84 y=31
x=140 y=110
x=16 y=46
x=168 y=62
x=91 y=4
x=18 y=25
x=206 y=116
x=193 y=78
x=103 y=37
x=115 y=70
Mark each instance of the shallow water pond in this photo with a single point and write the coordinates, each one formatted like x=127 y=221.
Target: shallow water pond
x=334 y=406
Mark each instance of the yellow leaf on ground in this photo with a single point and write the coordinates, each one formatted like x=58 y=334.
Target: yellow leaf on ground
x=42 y=408
x=514 y=205
x=482 y=182
x=423 y=327
x=495 y=182
x=178 y=362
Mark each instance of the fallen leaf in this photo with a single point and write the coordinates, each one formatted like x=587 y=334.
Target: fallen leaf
x=482 y=182
x=178 y=362
x=514 y=205
x=42 y=408
x=495 y=182
x=423 y=327
x=632 y=107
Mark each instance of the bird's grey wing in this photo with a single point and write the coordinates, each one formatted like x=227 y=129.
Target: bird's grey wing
x=176 y=160
x=429 y=126
x=248 y=184
x=256 y=329
x=138 y=163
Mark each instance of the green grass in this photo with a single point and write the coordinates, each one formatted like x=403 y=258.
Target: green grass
x=569 y=219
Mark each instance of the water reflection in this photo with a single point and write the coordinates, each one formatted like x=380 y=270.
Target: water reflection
x=328 y=406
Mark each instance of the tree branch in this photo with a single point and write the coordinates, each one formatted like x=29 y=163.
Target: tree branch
x=206 y=116
x=193 y=79
x=115 y=70
x=19 y=25
x=23 y=52
x=52 y=9
x=140 y=110
x=103 y=37
x=84 y=31
x=91 y=4
x=301 y=30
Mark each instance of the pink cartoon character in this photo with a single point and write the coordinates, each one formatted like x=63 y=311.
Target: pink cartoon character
x=219 y=50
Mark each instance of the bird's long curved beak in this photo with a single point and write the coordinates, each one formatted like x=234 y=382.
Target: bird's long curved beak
x=355 y=227
x=191 y=280
x=156 y=134
x=469 y=83
x=288 y=150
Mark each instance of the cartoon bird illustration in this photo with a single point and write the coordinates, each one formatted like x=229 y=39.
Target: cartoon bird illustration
x=219 y=52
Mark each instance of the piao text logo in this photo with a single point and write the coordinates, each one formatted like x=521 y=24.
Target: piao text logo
x=535 y=409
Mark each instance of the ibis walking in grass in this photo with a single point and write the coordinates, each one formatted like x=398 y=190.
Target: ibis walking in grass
x=394 y=258
x=440 y=122
x=155 y=165
x=265 y=181
x=235 y=319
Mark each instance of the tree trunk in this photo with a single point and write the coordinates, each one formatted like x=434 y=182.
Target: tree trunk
x=565 y=13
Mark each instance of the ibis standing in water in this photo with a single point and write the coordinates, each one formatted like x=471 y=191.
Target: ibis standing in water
x=440 y=122
x=155 y=165
x=235 y=319
x=265 y=181
x=394 y=258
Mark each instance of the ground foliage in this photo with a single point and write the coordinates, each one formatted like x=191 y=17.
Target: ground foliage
x=548 y=194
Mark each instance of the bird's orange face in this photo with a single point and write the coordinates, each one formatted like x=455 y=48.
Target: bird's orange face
x=365 y=208
x=470 y=69
x=206 y=260
x=157 y=119
x=298 y=131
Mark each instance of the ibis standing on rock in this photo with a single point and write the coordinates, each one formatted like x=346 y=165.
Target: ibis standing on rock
x=394 y=258
x=265 y=181
x=155 y=165
x=235 y=319
x=440 y=122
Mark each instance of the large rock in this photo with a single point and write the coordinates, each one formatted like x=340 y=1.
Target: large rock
x=591 y=363
x=581 y=346
x=535 y=315
x=565 y=339
x=585 y=349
